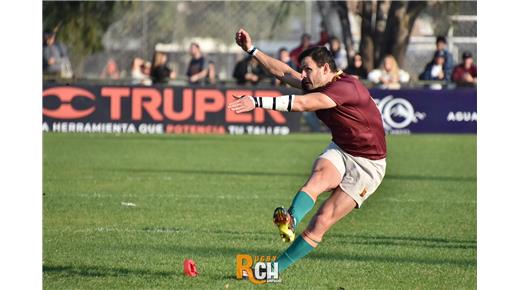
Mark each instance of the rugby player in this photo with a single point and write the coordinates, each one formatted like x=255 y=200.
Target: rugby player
x=354 y=163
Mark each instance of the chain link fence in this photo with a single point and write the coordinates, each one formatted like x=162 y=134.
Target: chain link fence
x=146 y=26
x=171 y=27
x=457 y=21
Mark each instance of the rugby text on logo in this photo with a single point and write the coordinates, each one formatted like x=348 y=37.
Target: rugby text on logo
x=259 y=270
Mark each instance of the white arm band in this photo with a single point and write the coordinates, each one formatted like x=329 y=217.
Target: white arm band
x=282 y=103
x=252 y=50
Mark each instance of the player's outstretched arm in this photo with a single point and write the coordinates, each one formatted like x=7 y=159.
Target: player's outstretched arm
x=288 y=103
x=278 y=69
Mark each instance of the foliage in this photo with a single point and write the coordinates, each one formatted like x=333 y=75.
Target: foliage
x=81 y=24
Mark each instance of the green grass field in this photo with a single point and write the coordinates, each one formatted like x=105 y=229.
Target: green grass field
x=210 y=198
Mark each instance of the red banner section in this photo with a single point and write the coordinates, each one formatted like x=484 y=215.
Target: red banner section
x=178 y=110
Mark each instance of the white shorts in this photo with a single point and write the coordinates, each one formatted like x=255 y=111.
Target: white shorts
x=360 y=176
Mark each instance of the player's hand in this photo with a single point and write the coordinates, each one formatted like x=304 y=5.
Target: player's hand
x=241 y=104
x=243 y=39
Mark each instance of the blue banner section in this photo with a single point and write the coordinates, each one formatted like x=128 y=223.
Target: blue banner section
x=428 y=111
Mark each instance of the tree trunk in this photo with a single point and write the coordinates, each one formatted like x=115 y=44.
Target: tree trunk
x=346 y=32
x=386 y=27
x=324 y=10
x=399 y=25
x=283 y=11
x=379 y=31
x=412 y=12
x=366 y=47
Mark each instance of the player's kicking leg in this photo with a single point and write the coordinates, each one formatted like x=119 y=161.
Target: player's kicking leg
x=353 y=179
x=338 y=205
x=324 y=177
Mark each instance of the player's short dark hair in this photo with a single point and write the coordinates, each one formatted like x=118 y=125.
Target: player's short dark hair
x=321 y=55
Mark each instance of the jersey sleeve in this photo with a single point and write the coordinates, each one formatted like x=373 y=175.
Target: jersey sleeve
x=340 y=92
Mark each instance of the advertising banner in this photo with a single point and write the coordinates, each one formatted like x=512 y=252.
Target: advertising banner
x=178 y=110
x=202 y=110
x=428 y=111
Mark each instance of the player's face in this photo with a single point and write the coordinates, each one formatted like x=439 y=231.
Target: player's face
x=312 y=76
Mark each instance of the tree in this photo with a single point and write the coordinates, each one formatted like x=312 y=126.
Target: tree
x=386 y=29
x=327 y=9
x=80 y=24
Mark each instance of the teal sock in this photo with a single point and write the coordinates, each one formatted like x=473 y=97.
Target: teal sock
x=296 y=251
x=301 y=205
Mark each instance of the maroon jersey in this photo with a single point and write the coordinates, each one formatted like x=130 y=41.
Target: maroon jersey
x=355 y=123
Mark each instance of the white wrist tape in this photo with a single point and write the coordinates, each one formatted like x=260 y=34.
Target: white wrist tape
x=282 y=103
x=252 y=50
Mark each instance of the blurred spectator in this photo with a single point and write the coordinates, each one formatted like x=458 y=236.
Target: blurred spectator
x=389 y=75
x=197 y=67
x=306 y=43
x=436 y=68
x=55 y=57
x=465 y=74
x=110 y=71
x=357 y=69
x=441 y=45
x=283 y=56
x=339 y=53
x=248 y=71
x=147 y=69
x=160 y=72
x=211 y=78
x=137 y=73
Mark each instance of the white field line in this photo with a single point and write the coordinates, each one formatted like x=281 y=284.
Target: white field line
x=172 y=195
x=428 y=201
